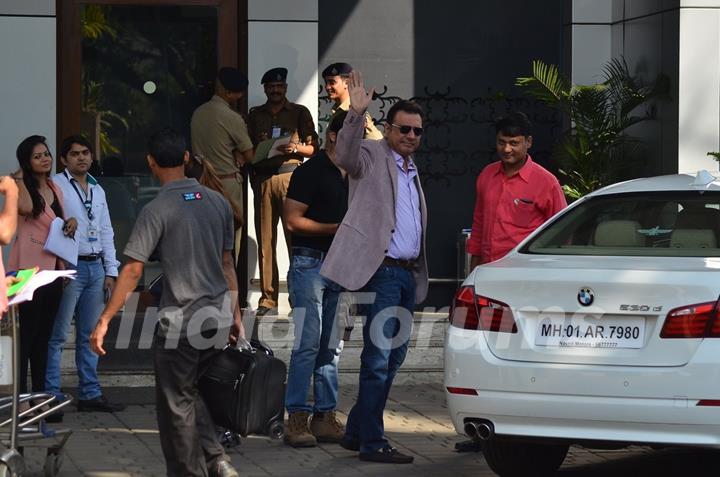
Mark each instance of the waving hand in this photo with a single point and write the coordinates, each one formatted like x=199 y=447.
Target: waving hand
x=359 y=98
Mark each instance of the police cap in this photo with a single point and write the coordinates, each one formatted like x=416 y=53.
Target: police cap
x=232 y=79
x=275 y=75
x=337 y=69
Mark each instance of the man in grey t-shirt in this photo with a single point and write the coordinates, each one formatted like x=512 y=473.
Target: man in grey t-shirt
x=192 y=228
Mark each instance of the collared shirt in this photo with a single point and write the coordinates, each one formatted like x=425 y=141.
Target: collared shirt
x=292 y=120
x=508 y=209
x=371 y=131
x=73 y=206
x=216 y=131
x=406 y=237
x=191 y=226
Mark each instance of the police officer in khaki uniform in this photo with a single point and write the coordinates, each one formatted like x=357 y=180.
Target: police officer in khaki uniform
x=275 y=119
x=220 y=134
x=336 y=77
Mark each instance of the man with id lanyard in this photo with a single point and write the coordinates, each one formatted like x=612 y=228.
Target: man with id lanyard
x=97 y=270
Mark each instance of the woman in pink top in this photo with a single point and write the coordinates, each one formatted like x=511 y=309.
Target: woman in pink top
x=39 y=202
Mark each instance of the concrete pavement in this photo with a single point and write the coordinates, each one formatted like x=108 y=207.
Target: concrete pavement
x=126 y=444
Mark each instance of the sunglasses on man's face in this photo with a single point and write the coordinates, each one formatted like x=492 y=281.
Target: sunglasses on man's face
x=406 y=129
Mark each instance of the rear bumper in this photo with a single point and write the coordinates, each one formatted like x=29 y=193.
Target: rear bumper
x=582 y=402
x=575 y=419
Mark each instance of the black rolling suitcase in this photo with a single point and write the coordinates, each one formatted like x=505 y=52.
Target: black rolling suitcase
x=244 y=390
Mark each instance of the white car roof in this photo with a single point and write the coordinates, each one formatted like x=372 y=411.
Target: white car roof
x=702 y=180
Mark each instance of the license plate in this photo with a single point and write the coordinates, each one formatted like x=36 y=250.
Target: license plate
x=591 y=332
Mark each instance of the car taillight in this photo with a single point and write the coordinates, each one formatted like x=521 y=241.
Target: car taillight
x=693 y=321
x=475 y=312
x=708 y=402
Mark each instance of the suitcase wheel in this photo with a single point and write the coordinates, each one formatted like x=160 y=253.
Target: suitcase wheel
x=277 y=430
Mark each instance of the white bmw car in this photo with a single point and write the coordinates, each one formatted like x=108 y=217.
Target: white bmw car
x=602 y=328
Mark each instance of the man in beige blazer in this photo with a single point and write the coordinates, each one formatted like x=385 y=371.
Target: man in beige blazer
x=380 y=248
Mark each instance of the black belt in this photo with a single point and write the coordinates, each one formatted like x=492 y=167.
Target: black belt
x=90 y=258
x=399 y=262
x=308 y=252
x=267 y=168
x=285 y=168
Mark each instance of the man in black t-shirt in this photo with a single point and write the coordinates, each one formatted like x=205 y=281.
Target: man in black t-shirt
x=315 y=205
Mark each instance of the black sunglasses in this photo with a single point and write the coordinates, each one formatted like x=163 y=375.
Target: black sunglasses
x=406 y=129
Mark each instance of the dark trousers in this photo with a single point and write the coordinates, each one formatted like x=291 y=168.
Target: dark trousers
x=385 y=341
x=36 y=323
x=187 y=433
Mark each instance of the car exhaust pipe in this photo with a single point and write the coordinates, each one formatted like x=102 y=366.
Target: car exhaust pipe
x=479 y=430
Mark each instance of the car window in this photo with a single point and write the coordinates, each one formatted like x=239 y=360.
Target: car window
x=669 y=224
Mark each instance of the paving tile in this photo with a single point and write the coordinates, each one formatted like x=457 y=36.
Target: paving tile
x=126 y=444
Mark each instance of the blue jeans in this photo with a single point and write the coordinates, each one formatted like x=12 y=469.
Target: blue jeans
x=316 y=351
x=386 y=333
x=83 y=298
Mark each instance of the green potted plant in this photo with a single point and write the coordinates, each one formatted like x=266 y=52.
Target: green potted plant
x=596 y=149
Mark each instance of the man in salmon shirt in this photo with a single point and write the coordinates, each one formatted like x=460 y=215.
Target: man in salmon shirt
x=515 y=195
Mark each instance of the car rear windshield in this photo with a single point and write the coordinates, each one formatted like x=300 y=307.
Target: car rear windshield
x=665 y=224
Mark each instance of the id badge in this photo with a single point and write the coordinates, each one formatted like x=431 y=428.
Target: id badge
x=92 y=232
x=276 y=130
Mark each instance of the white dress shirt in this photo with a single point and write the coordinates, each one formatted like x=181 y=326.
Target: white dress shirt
x=73 y=206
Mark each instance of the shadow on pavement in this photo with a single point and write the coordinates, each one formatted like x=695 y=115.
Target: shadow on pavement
x=668 y=462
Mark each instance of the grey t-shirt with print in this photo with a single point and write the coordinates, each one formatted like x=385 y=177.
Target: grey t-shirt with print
x=191 y=226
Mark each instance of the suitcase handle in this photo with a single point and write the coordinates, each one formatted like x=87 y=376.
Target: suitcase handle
x=255 y=346
x=241 y=345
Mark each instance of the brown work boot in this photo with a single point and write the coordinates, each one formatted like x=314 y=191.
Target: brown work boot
x=326 y=427
x=297 y=433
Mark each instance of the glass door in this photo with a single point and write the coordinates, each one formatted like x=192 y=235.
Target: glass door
x=129 y=68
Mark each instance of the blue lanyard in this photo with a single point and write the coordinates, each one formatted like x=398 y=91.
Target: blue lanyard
x=87 y=202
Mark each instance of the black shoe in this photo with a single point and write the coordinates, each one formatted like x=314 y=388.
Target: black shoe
x=349 y=444
x=387 y=455
x=264 y=310
x=55 y=417
x=98 y=404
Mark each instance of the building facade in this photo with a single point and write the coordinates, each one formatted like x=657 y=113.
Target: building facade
x=118 y=69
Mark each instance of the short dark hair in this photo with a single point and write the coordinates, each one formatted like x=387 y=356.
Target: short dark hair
x=406 y=106
x=514 y=124
x=74 y=139
x=232 y=79
x=336 y=123
x=167 y=147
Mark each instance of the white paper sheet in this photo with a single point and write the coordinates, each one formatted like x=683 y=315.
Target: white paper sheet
x=59 y=244
x=38 y=280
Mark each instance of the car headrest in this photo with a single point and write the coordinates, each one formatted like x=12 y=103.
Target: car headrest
x=693 y=238
x=619 y=233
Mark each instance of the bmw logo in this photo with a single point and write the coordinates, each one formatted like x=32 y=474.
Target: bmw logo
x=586 y=296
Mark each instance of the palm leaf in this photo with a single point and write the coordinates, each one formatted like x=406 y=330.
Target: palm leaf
x=94 y=22
x=596 y=149
x=546 y=83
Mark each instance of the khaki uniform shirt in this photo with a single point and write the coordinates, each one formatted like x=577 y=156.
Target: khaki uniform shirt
x=292 y=119
x=371 y=131
x=216 y=131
